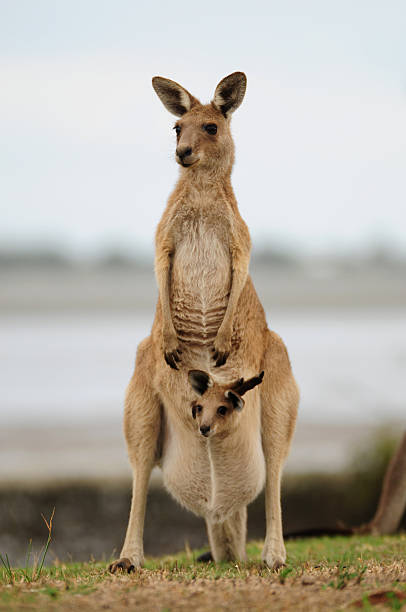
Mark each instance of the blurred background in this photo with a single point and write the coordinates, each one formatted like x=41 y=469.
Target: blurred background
x=86 y=166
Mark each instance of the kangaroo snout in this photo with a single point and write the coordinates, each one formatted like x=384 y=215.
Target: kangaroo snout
x=183 y=152
x=204 y=430
x=184 y=155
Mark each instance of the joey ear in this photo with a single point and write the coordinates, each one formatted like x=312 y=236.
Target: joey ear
x=200 y=381
x=173 y=96
x=242 y=386
x=230 y=93
x=235 y=399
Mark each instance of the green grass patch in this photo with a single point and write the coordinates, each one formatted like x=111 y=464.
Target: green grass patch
x=337 y=564
x=327 y=552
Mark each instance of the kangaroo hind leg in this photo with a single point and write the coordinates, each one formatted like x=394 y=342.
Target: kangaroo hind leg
x=227 y=539
x=279 y=401
x=142 y=425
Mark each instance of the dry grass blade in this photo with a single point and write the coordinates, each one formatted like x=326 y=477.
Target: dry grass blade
x=7 y=567
x=44 y=554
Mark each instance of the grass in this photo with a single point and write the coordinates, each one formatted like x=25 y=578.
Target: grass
x=30 y=573
x=321 y=574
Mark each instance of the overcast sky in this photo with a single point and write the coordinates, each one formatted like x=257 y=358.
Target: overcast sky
x=86 y=154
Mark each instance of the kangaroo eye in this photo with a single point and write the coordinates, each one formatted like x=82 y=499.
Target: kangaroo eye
x=177 y=129
x=211 y=128
x=196 y=409
x=222 y=410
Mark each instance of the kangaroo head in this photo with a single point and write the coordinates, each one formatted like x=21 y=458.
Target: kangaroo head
x=203 y=132
x=218 y=408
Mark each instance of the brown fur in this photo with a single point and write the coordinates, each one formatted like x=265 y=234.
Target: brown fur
x=208 y=318
x=392 y=501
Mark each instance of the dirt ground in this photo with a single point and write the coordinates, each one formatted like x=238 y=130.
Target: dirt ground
x=155 y=591
x=321 y=574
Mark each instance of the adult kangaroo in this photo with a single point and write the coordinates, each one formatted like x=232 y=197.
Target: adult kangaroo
x=209 y=320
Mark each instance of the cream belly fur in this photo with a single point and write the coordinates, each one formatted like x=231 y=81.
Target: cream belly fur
x=200 y=286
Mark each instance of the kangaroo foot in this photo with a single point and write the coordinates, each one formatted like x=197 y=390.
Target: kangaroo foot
x=121 y=565
x=274 y=556
x=206 y=557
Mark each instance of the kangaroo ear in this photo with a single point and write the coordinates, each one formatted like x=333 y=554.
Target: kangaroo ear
x=200 y=381
x=230 y=93
x=235 y=399
x=173 y=96
x=242 y=386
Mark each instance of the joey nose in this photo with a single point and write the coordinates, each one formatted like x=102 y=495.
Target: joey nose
x=204 y=430
x=183 y=152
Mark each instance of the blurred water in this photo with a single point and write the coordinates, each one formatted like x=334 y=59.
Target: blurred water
x=70 y=368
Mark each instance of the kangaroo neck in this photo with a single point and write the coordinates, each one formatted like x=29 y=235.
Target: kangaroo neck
x=205 y=187
x=205 y=180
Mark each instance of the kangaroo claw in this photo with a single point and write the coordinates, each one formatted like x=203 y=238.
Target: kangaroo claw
x=171 y=359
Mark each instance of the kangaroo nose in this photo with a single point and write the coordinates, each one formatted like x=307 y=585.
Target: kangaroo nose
x=205 y=429
x=182 y=153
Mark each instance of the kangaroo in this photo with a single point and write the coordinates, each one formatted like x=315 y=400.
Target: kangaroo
x=392 y=500
x=208 y=319
x=235 y=455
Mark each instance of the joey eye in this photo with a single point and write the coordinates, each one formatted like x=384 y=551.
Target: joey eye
x=177 y=129
x=211 y=128
x=196 y=409
x=222 y=410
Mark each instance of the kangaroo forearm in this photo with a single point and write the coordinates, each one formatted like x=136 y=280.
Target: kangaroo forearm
x=239 y=279
x=163 y=279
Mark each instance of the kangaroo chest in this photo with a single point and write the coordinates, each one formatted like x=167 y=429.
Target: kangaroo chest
x=200 y=278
